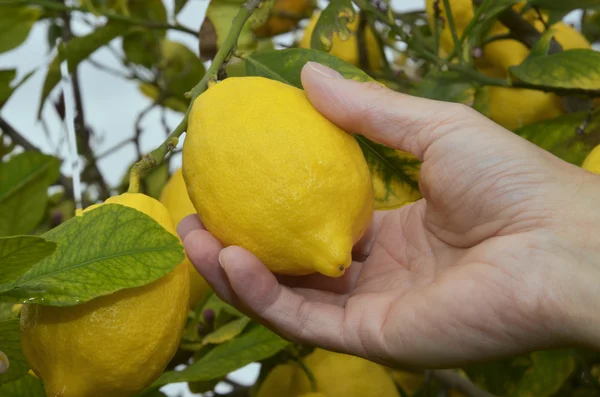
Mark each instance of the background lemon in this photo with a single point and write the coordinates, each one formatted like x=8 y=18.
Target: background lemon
x=285 y=15
x=288 y=185
x=114 y=345
x=174 y=197
x=592 y=161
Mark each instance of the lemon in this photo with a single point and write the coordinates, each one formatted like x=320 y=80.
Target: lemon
x=266 y=171
x=114 y=345
x=285 y=15
x=174 y=197
x=592 y=161
x=347 y=50
x=336 y=375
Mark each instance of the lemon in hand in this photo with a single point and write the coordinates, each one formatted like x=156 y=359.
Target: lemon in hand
x=114 y=345
x=266 y=171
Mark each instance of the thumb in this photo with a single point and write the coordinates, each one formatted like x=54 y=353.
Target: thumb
x=396 y=120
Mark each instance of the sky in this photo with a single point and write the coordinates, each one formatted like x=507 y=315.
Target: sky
x=111 y=106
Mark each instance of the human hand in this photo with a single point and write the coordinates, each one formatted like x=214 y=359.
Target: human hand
x=501 y=256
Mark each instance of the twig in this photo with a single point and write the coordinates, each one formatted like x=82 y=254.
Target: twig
x=225 y=51
x=455 y=380
x=307 y=372
x=361 y=42
x=139 y=129
x=114 y=148
x=51 y=5
x=20 y=140
x=452 y=27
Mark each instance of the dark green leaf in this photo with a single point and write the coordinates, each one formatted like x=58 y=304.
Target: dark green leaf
x=6 y=77
x=24 y=182
x=395 y=174
x=77 y=50
x=25 y=386
x=7 y=311
x=446 y=86
x=226 y=332
x=334 y=19
x=105 y=250
x=10 y=345
x=559 y=136
x=179 y=4
x=257 y=344
x=142 y=45
x=285 y=65
x=577 y=68
x=19 y=253
x=590 y=26
x=15 y=24
x=499 y=377
x=549 y=371
x=563 y=5
x=151 y=392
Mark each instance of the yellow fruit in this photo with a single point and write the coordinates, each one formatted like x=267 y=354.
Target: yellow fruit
x=409 y=382
x=175 y=198
x=314 y=395
x=266 y=171
x=285 y=15
x=347 y=50
x=514 y=108
x=114 y=345
x=592 y=161
x=336 y=375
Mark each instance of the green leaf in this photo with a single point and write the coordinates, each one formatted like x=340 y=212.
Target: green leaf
x=24 y=182
x=576 y=68
x=6 y=89
x=142 y=46
x=15 y=24
x=563 y=5
x=499 y=377
x=446 y=86
x=19 y=253
x=179 y=5
x=77 y=50
x=395 y=174
x=549 y=371
x=257 y=344
x=105 y=250
x=151 y=392
x=10 y=345
x=285 y=65
x=334 y=19
x=559 y=136
x=25 y=386
x=226 y=332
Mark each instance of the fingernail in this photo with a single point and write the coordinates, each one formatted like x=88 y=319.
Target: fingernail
x=220 y=256
x=324 y=70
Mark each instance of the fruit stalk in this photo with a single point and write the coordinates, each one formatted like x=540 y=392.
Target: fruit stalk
x=156 y=156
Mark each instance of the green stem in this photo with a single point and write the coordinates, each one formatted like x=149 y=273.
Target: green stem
x=452 y=26
x=225 y=51
x=311 y=378
x=51 y=5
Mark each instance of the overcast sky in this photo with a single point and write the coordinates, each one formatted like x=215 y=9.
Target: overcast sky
x=111 y=106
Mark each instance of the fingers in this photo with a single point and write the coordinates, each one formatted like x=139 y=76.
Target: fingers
x=288 y=312
x=396 y=120
x=187 y=224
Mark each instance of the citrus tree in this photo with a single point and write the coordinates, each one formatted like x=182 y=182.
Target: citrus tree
x=97 y=297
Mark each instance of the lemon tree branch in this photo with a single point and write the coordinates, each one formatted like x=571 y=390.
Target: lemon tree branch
x=156 y=156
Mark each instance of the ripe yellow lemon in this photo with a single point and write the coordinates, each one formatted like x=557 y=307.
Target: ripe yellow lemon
x=347 y=50
x=174 y=197
x=592 y=161
x=114 y=345
x=266 y=171
x=285 y=15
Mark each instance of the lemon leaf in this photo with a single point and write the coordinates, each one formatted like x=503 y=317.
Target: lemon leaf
x=19 y=253
x=15 y=24
x=570 y=69
x=446 y=86
x=77 y=50
x=24 y=181
x=334 y=19
x=285 y=65
x=6 y=89
x=179 y=5
x=550 y=370
x=257 y=344
x=559 y=136
x=499 y=377
x=563 y=5
x=395 y=174
x=25 y=386
x=105 y=250
x=10 y=345
x=226 y=332
x=142 y=45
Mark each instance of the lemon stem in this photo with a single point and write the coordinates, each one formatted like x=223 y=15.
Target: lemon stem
x=156 y=156
x=452 y=26
x=308 y=372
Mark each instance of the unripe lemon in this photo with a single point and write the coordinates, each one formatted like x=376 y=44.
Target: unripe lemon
x=347 y=50
x=174 y=197
x=114 y=345
x=266 y=171
x=592 y=161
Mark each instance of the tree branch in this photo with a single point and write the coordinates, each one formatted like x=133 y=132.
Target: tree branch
x=51 y=5
x=156 y=156
x=455 y=380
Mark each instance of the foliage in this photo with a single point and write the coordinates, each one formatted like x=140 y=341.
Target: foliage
x=51 y=256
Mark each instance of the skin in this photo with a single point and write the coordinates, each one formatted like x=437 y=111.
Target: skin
x=500 y=257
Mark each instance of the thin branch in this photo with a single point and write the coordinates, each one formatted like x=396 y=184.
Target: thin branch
x=51 y=5
x=156 y=156
x=453 y=32
x=455 y=380
x=113 y=149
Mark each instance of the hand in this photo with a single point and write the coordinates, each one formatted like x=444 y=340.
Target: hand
x=500 y=256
